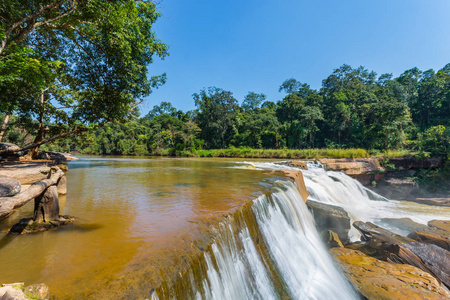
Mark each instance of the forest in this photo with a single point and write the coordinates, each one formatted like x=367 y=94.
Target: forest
x=355 y=108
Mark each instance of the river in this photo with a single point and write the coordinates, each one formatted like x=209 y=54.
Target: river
x=141 y=221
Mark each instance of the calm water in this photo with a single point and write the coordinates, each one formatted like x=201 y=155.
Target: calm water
x=137 y=220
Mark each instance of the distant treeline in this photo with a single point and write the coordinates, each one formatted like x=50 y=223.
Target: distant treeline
x=355 y=108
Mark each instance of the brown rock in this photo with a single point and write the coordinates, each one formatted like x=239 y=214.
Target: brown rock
x=441 y=224
x=298 y=164
x=376 y=279
x=352 y=166
x=431 y=238
x=298 y=178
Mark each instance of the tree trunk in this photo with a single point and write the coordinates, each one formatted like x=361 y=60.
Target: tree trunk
x=386 y=139
x=10 y=151
x=4 y=125
x=40 y=133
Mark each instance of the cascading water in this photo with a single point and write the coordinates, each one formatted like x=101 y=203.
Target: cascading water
x=270 y=250
x=361 y=203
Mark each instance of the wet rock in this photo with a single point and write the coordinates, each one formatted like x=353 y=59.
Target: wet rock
x=299 y=181
x=376 y=279
x=27 y=225
x=441 y=224
x=398 y=249
x=431 y=238
x=298 y=164
x=9 y=187
x=38 y=291
x=330 y=217
x=331 y=239
x=407 y=226
x=26 y=173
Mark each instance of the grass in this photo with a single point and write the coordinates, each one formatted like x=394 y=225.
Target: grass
x=278 y=153
x=246 y=152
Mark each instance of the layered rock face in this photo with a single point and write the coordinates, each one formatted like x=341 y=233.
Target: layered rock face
x=376 y=279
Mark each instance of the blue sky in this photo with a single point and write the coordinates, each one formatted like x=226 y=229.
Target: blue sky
x=244 y=46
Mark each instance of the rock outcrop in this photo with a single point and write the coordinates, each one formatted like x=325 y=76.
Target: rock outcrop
x=299 y=181
x=398 y=249
x=376 y=279
x=26 y=173
x=352 y=166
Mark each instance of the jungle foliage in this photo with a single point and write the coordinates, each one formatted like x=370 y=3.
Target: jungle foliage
x=355 y=108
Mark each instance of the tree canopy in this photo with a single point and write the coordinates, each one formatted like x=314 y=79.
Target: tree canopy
x=76 y=63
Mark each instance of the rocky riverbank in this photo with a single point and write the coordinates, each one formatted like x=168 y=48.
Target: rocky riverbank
x=391 y=177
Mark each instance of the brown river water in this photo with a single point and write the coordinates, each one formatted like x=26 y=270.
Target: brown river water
x=137 y=220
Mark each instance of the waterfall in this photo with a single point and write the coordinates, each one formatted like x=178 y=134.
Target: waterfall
x=361 y=204
x=269 y=249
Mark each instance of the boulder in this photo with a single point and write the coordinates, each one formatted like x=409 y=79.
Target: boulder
x=376 y=279
x=330 y=217
x=9 y=187
x=26 y=173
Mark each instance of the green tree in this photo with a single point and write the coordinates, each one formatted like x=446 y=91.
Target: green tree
x=88 y=58
x=216 y=116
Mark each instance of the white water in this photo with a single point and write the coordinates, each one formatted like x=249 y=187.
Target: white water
x=361 y=204
x=295 y=250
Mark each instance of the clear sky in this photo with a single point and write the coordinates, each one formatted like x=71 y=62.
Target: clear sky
x=244 y=46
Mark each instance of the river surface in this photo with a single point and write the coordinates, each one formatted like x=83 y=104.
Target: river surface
x=135 y=217
x=143 y=223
